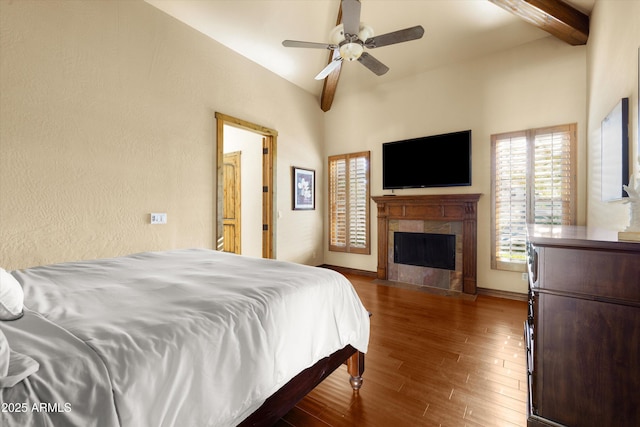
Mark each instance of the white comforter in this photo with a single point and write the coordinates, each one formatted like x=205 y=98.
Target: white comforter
x=186 y=338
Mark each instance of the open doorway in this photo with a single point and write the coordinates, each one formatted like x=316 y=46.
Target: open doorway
x=230 y=221
x=242 y=191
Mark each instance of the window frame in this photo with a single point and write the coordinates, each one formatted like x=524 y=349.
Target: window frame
x=530 y=137
x=348 y=247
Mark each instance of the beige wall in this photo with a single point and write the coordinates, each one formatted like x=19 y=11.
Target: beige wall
x=539 y=84
x=106 y=112
x=612 y=69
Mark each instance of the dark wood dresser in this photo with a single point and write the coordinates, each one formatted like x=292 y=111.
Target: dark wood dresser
x=583 y=328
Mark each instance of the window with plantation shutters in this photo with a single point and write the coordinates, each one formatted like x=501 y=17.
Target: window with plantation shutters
x=349 y=203
x=534 y=181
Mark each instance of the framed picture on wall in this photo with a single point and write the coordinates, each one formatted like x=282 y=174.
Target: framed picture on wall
x=304 y=188
x=615 y=152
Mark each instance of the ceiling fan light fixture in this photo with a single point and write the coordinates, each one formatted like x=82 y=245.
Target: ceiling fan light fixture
x=366 y=32
x=351 y=51
x=337 y=34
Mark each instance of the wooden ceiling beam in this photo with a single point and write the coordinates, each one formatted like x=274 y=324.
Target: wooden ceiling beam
x=329 y=88
x=553 y=16
x=331 y=81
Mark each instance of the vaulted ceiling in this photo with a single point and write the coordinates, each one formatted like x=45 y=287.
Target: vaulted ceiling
x=455 y=30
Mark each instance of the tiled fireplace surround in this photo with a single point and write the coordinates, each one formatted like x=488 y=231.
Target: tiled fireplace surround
x=425 y=276
x=442 y=214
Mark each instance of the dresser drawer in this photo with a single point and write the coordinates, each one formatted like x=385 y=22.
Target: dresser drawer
x=593 y=273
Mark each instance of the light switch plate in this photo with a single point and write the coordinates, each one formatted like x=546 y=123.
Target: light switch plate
x=158 y=218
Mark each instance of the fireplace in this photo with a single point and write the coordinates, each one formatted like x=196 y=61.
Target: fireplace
x=454 y=214
x=425 y=249
x=434 y=249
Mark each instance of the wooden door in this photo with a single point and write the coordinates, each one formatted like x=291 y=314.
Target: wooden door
x=231 y=221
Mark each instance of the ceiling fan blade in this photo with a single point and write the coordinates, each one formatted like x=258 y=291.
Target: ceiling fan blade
x=329 y=68
x=394 y=37
x=373 y=64
x=351 y=16
x=296 y=43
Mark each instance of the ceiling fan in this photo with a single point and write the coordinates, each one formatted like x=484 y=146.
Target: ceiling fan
x=351 y=37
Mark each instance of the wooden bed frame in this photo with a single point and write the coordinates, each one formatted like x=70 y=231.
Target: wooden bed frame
x=282 y=401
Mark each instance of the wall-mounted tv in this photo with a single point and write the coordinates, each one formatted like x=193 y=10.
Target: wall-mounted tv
x=430 y=161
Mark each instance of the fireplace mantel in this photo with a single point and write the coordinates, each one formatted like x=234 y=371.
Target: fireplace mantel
x=432 y=207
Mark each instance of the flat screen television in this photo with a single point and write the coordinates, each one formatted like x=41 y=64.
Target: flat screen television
x=430 y=161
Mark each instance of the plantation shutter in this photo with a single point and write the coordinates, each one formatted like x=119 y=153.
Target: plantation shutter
x=553 y=201
x=338 y=202
x=510 y=189
x=533 y=182
x=358 y=202
x=349 y=203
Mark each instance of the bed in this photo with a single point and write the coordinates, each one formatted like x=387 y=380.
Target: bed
x=185 y=337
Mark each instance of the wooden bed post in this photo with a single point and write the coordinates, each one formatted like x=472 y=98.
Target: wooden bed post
x=355 y=367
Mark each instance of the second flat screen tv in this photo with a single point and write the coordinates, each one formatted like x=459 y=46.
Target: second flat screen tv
x=430 y=161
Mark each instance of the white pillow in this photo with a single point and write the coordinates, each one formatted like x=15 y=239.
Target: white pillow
x=11 y=297
x=14 y=366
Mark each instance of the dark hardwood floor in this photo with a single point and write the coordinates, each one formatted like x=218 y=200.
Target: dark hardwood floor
x=432 y=361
